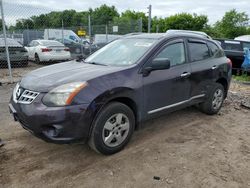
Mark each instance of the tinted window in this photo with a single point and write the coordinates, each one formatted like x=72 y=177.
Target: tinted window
x=35 y=43
x=215 y=50
x=246 y=45
x=174 y=52
x=199 y=51
x=31 y=44
x=232 y=45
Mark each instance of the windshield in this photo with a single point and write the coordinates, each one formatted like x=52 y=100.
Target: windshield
x=121 y=52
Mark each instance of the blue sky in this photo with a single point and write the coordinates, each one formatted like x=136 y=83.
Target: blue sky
x=215 y=9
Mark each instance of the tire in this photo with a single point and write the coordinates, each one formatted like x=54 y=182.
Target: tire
x=112 y=128
x=214 y=100
x=37 y=59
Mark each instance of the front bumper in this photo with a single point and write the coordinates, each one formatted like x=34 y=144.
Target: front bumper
x=53 y=124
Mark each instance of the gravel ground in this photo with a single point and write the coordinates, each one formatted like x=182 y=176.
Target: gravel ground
x=18 y=72
x=182 y=149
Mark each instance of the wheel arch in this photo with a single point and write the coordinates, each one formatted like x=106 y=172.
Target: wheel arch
x=224 y=83
x=124 y=96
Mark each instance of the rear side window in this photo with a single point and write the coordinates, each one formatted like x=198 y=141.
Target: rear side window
x=174 y=52
x=215 y=50
x=232 y=46
x=246 y=45
x=198 y=51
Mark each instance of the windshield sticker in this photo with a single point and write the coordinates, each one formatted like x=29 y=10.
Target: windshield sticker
x=143 y=44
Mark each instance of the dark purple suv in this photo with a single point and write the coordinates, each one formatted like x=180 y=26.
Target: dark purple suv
x=104 y=98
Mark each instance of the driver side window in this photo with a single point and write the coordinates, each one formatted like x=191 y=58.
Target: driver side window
x=174 y=52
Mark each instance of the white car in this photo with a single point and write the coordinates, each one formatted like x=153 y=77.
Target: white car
x=47 y=50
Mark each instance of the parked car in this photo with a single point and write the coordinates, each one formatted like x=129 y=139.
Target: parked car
x=234 y=49
x=106 y=97
x=79 y=49
x=47 y=51
x=245 y=38
x=18 y=54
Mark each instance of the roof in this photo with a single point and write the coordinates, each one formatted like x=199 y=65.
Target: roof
x=159 y=36
x=200 y=33
x=146 y=35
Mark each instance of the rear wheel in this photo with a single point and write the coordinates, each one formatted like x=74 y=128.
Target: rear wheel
x=112 y=128
x=37 y=59
x=214 y=100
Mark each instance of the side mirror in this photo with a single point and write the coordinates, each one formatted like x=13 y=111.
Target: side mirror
x=160 y=64
x=157 y=64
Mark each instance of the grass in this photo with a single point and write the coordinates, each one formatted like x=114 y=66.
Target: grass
x=244 y=77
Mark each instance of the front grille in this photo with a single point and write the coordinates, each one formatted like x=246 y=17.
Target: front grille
x=24 y=96
x=27 y=97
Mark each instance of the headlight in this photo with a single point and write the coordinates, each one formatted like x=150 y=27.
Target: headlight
x=64 y=94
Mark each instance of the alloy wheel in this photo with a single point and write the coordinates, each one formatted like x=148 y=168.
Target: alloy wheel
x=217 y=99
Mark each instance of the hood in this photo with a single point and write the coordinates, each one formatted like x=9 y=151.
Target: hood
x=49 y=77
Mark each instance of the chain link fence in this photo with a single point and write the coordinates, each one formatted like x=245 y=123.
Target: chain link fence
x=32 y=36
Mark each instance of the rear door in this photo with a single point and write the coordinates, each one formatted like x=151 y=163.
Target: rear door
x=167 y=89
x=204 y=57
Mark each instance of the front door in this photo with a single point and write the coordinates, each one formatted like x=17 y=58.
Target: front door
x=170 y=88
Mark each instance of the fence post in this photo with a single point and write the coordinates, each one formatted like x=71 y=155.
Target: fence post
x=157 y=28
x=140 y=25
x=28 y=34
x=90 y=41
x=5 y=42
x=106 y=28
x=62 y=32
x=149 y=18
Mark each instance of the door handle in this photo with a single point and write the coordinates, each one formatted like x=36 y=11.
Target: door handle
x=214 y=67
x=185 y=74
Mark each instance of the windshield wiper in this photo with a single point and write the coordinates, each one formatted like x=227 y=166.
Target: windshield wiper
x=95 y=63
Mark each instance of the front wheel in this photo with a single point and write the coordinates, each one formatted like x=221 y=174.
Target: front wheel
x=214 y=100
x=112 y=129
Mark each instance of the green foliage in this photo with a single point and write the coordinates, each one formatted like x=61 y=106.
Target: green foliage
x=103 y=15
x=132 y=18
x=233 y=24
x=183 y=21
x=244 y=77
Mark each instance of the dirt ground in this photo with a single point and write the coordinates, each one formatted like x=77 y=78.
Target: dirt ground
x=18 y=71
x=182 y=149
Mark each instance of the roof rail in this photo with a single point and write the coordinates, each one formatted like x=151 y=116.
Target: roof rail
x=200 y=33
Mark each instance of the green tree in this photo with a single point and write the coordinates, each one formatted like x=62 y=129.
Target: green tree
x=103 y=15
x=233 y=24
x=129 y=21
x=183 y=21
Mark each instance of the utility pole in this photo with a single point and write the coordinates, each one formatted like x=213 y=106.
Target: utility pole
x=149 y=18
x=157 y=28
